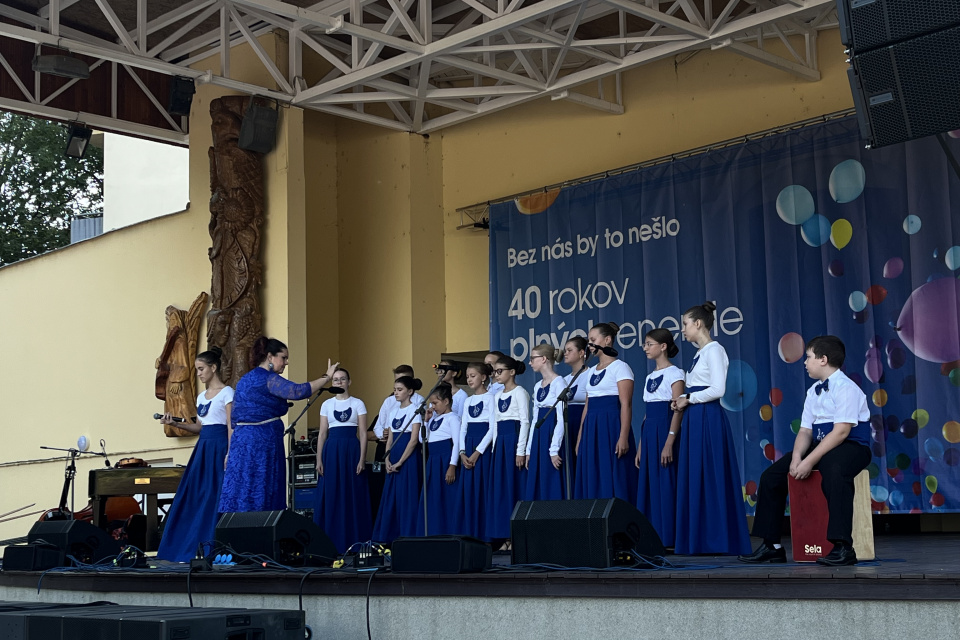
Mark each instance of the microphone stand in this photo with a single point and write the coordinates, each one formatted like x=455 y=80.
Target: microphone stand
x=562 y=397
x=421 y=411
x=70 y=475
x=292 y=431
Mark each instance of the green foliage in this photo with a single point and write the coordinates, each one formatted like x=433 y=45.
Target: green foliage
x=41 y=189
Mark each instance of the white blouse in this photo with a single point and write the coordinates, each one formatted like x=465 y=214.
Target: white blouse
x=343 y=413
x=445 y=427
x=603 y=382
x=214 y=411
x=479 y=408
x=515 y=405
x=709 y=369
x=543 y=398
x=658 y=387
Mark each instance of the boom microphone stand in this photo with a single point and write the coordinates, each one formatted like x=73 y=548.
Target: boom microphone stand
x=70 y=475
x=562 y=397
x=421 y=411
x=291 y=431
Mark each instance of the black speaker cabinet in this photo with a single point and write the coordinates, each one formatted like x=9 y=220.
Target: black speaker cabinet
x=581 y=533
x=284 y=536
x=868 y=24
x=76 y=538
x=908 y=90
x=440 y=554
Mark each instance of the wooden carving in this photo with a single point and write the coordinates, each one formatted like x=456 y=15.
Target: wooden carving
x=176 y=381
x=236 y=216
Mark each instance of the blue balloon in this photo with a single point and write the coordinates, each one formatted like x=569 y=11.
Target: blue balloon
x=847 y=180
x=816 y=230
x=857 y=301
x=895 y=498
x=933 y=448
x=879 y=494
x=795 y=205
x=741 y=386
x=911 y=224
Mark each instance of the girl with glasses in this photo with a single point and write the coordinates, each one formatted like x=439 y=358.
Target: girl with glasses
x=543 y=461
x=478 y=429
x=657 y=486
x=606 y=448
x=509 y=454
x=343 y=494
x=397 y=515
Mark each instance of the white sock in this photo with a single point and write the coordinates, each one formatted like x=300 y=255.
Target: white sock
x=778 y=546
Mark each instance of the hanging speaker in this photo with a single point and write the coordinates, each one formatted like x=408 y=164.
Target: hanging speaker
x=181 y=96
x=868 y=24
x=581 y=533
x=258 y=131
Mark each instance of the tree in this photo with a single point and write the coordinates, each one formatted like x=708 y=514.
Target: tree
x=41 y=189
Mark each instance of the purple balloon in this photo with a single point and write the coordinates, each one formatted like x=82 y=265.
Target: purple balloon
x=836 y=268
x=861 y=316
x=909 y=428
x=878 y=449
x=892 y=344
x=873 y=367
x=896 y=358
x=952 y=456
x=893 y=268
x=892 y=423
x=876 y=421
x=909 y=386
x=929 y=324
x=917 y=466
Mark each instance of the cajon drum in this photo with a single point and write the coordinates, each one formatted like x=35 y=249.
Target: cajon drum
x=808 y=518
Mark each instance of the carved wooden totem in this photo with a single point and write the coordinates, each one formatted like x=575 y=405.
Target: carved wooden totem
x=236 y=216
x=176 y=381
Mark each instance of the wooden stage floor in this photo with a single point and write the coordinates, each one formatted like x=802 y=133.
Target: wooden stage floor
x=917 y=567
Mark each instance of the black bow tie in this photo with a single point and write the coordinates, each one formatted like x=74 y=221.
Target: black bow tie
x=823 y=386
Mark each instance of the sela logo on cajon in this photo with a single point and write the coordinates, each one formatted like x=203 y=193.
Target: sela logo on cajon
x=813 y=548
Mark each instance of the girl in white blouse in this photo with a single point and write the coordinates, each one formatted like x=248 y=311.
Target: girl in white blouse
x=478 y=428
x=440 y=489
x=509 y=454
x=543 y=461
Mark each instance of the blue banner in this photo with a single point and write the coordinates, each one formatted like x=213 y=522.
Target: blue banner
x=793 y=236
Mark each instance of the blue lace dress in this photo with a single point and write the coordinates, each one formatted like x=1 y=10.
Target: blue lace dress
x=255 y=479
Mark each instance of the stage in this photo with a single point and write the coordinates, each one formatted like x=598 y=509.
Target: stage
x=910 y=591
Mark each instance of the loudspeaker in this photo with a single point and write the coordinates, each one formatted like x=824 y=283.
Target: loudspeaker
x=181 y=96
x=868 y=24
x=76 y=538
x=258 y=131
x=283 y=536
x=908 y=90
x=440 y=554
x=581 y=533
x=32 y=557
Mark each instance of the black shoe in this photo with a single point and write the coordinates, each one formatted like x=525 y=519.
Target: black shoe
x=765 y=553
x=839 y=557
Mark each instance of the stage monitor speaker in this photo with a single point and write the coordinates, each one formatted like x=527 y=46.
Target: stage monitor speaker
x=908 y=90
x=440 y=554
x=581 y=533
x=75 y=538
x=868 y=24
x=258 y=131
x=284 y=536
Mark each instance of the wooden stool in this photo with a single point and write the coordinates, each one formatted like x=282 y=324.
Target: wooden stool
x=808 y=518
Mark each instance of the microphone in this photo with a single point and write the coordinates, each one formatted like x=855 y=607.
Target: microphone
x=334 y=390
x=103 y=449
x=445 y=367
x=158 y=416
x=608 y=351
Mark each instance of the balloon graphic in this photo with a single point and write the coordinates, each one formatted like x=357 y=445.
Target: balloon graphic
x=766 y=413
x=873 y=366
x=753 y=431
x=892 y=423
x=917 y=488
x=846 y=181
x=909 y=428
x=903 y=461
x=536 y=202
x=911 y=224
x=860 y=317
x=896 y=498
x=795 y=425
x=876 y=294
x=951 y=432
x=952 y=258
x=921 y=416
x=879 y=397
x=741 y=386
x=947 y=367
x=930 y=482
x=893 y=268
x=928 y=324
x=836 y=268
x=937 y=500
x=893 y=344
x=933 y=449
x=840 y=233
x=795 y=204
x=776 y=397
x=955 y=377
x=873 y=470
x=875 y=342
x=815 y=231
x=769 y=452
x=857 y=301
x=791 y=347
x=896 y=358
x=952 y=456
x=879 y=493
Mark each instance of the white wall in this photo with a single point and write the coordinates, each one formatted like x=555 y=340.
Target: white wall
x=142 y=180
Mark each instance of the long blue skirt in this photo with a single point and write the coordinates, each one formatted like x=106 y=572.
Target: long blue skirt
x=193 y=514
x=256 y=475
x=443 y=500
x=657 y=485
x=397 y=516
x=473 y=484
x=600 y=473
x=544 y=481
x=505 y=482
x=343 y=497
x=710 y=515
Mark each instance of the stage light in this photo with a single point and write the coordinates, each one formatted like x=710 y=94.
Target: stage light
x=78 y=140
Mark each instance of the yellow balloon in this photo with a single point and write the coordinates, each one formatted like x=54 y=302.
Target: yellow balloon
x=766 y=412
x=951 y=431
x=922 y=417
x=840 y=233
x=879 y=397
